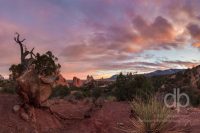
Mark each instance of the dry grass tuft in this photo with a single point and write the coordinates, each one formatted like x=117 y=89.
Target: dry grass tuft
x=152 y=117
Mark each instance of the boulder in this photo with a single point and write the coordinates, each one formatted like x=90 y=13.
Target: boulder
x=16 y=108
x=33 y=89
x=61 y=81
x=24 y=116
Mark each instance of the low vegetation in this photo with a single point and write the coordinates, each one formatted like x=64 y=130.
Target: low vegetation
x=151 y=117
x=7 y=86
x=128 y=86
x=60 y=91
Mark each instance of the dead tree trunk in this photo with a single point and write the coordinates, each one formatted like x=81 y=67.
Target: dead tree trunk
x=23 y=51
x=19 y=42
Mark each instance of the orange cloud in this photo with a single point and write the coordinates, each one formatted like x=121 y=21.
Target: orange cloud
x=160 y=33
x=197 y=44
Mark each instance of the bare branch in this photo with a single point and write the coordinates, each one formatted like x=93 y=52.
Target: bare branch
x=17 y=39
x=23 y=40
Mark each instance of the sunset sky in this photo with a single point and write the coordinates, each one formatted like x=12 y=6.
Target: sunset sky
x=103 y=37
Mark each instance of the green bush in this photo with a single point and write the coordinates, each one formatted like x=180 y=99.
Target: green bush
x=111 y=98
x=74 y=88
x=86 y=92
x=8 y=87
x=10 y=90
x=60 y=91
x=158 y=82
x=128 y=86
x=193 y=95
x=78 y=95
x=96 y=92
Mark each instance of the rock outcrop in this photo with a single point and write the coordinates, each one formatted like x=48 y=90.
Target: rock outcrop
x=77 y=82
x=33 y=89
x=90 y=82
x=61 y=81
x=90 y=78
x=1 y=77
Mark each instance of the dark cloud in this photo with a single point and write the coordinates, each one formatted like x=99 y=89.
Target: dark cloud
x=194 y=30
x=182 y=11
x=159 y=34
x=90 y=36
x=186 y=64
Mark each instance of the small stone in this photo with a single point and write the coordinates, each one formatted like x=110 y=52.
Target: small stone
x=16 y=108
x=88 y=113
x=120 y=124
x=24 y=116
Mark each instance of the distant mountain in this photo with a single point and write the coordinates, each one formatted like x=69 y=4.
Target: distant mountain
x=163 y=72
x=155 y=73
x=114 y=77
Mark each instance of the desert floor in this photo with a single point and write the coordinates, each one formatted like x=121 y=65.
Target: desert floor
x=83 y=117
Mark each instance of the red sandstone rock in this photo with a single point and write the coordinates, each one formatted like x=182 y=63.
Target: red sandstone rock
x=77 y=82
x=61 y=81
x=33 y=89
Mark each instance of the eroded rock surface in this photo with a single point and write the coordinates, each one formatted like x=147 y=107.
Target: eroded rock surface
x=33 y=89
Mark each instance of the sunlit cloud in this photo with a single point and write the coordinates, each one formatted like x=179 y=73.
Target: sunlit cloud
x=103 y=36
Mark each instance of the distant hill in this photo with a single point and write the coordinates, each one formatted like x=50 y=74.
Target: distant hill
x=189 y=78
x=163 y=72
x=114 y=77
x=187 y=81
x=155 y=73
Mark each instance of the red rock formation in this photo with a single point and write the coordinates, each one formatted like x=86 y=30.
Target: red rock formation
x=61 y=81
x=77 y=82
x=34 y=89
x=1 y=77
x=90 y=82
x=90 y=78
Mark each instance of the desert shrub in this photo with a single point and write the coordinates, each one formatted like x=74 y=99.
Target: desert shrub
x=74 y=88
x=78 y=95
x=198 y=84
x=108 y=89
x=96 y=92
x=129 y=86
x=10 y=90
x=111 y=98
x=158 y=82
x=8 y=86
x=123 y=90
x=86 y=92
x=60 y=91
x=152 y=116
x=193 y=94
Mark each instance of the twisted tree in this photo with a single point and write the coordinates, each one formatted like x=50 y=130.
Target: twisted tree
x=45 y=64
x=23 y=51
x=35 y=74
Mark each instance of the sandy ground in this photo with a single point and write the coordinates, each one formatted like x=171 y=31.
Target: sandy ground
x=74 y=118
